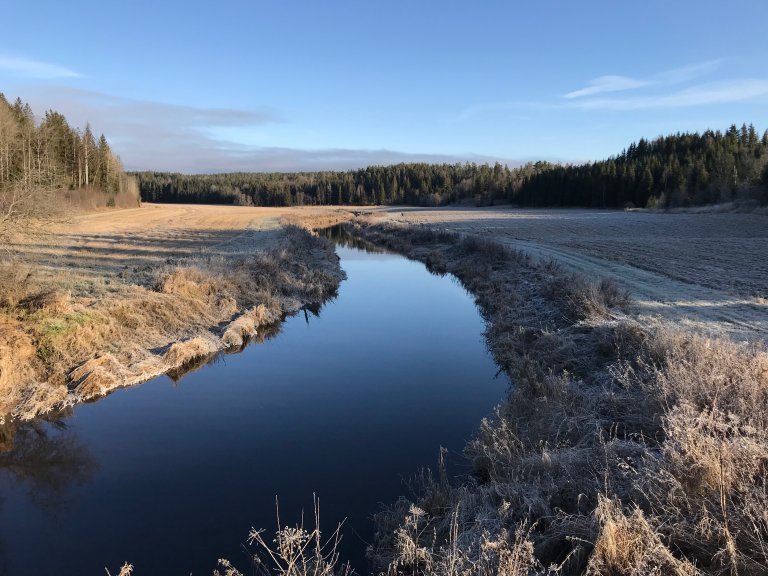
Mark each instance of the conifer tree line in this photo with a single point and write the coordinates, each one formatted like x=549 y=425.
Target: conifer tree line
x=53 y=155
x=679 y=170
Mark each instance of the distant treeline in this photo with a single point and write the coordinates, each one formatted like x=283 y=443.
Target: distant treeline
x=51 y=154
x=679 y=170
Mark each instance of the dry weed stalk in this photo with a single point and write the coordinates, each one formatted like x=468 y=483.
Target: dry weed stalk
x=125 y=570
x=294 y=551
x=628 y=449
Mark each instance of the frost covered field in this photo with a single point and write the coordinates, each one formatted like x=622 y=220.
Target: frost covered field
x=703 y=270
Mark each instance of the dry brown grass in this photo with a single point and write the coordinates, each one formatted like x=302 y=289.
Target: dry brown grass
x=181 y=353
x=246 y=326
x=60 y=347
x=629 y=545
x=314 y=221
x=622 y=448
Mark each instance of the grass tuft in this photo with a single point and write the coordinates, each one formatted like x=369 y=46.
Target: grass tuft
x=622 y=448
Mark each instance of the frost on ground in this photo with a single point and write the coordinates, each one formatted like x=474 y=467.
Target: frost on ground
x=624 y=447
x=707 y=271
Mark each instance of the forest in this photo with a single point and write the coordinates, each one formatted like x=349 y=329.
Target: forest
x=49 y=155
x=680 y=170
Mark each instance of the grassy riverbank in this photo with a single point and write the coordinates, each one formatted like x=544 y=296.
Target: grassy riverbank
x=622 y=448
x=113 y=309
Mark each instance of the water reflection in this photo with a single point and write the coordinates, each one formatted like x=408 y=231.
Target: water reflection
x=341 y=235
x=46 y=458
x=344 y=405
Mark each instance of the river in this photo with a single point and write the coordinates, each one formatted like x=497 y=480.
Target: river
x=346 y=403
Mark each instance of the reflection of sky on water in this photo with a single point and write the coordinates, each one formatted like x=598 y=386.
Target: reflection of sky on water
x=344 y=404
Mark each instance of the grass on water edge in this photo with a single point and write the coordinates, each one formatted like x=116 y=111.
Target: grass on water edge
x=57 y=350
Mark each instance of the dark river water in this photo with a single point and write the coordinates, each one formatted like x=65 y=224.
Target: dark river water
x=171 y=475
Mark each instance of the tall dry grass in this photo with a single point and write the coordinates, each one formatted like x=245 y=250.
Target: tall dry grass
x=58 y=348
x=622 y=448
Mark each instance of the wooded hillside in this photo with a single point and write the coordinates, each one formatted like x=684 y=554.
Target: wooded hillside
x=679 y=170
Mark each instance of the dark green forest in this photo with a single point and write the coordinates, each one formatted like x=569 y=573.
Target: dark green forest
x=680 y=170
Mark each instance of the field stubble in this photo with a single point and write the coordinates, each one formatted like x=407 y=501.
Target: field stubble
x=706 y=272
x=114 y=298
x=624 y=447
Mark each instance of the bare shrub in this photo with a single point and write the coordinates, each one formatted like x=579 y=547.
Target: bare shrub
x=27 y=210
x=295 y=551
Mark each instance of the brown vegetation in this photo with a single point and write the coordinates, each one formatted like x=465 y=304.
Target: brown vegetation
x=623 y=448
x=72 y=337
x=704 y=271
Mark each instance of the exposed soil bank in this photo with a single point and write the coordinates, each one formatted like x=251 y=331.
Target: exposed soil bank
x=63 y=343
x=623 y=448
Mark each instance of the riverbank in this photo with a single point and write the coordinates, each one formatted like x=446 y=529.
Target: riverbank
x=703 y=271
x=111 y=300
x=623 y=447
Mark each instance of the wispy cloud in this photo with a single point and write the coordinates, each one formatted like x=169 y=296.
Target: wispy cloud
x=674 y=76
x=29 y=68
x=687 y=73
x=655 y=93
x=607 y=84
x=147 y=133
x=724 y=92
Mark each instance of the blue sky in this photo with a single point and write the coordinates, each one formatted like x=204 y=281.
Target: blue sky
x=288 y=85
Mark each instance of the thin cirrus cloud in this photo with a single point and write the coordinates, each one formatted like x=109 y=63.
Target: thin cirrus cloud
x=655 y=92
x=674 y=76
x=27 y=67
x=606 y=84
x=700 y=95
x=148 y=133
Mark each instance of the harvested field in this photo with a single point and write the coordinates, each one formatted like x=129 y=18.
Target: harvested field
x=125 y=243
x=624 y=447
x=705 y=271
x=114 y=298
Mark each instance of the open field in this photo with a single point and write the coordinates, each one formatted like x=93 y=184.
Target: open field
x=624 y=447
x=126 y=243
x=704 y=271
x=113 y=298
